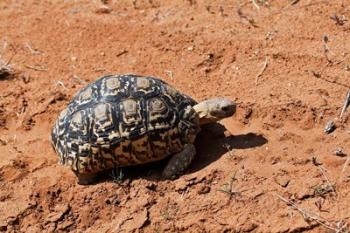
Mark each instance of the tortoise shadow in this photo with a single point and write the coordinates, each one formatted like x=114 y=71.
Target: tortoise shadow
x=211 y=143
x=210 y=147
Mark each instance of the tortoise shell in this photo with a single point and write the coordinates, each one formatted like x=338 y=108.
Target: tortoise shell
x=123 y=120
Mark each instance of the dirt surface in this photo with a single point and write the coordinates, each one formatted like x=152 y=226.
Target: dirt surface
x=285 y=62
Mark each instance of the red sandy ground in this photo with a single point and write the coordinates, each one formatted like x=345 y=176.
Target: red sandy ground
x=274 y=158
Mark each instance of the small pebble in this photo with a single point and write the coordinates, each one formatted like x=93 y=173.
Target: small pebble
x=315 y=161
x=339 y=152
x=2 y=142
x=151 y=186
x=3 y=227
x=283 y=181
x=330 y=127
x=204 y=190
x=12 y=220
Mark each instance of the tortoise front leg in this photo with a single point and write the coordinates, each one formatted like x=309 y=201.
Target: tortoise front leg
x=179 y=162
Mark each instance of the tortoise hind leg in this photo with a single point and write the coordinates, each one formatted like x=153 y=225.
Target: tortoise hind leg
x=85 y=179
x=179 y=162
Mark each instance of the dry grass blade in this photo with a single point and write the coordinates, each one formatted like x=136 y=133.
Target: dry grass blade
x=60 y=83
x=32 y=50
x=117 y=176
x=170 y=74
x=346 y=104
x=261 y=71
x=43 y=69
x=309 y=215
x=311 y=3
x=322 y=170
x=328 y=64
x=249 y=19
x=339 y=20
x=256 y=5
x=291 y=4
x=228 y=187
x=346 y=164
x=326 y=49
x=229 y=150
x=327 y=179
x=75 y=77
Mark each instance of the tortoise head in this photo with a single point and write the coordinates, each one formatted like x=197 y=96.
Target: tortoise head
x=215 y=109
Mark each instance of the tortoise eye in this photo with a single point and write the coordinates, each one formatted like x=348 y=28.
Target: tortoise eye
x=225 y=109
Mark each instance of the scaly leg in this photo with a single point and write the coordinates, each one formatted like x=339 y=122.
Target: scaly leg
x=179 y=162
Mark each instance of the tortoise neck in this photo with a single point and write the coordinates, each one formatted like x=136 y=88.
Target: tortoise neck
x=202 y=109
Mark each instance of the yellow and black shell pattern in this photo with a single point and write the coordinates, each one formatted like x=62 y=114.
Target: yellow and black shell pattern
x=123 y=120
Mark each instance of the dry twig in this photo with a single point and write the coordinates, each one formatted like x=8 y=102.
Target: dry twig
x=99 y=69
x=121 y=53
x=261 y=71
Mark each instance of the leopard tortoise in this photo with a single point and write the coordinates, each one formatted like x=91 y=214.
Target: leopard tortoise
x=124 y=120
